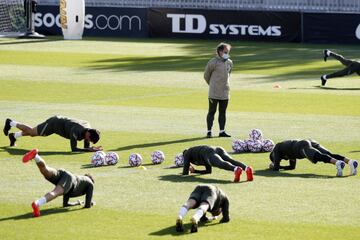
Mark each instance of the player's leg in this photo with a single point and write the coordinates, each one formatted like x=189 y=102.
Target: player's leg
x=353 y=164
x=210 y=116
x=190 y=204
x=314 y=155
x=57 y=191
x=344 y=72
x=340 y=58
x=200 y=211
x=216 y=161
x=25 y=130
x=222 y=117
x=46 y=171
x=226 y=157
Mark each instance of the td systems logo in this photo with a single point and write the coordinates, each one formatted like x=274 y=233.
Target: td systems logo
x=100 y=22
x=197 y=24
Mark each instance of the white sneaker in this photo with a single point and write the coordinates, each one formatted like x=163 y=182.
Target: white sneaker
x=353 y=167
x=339 y=167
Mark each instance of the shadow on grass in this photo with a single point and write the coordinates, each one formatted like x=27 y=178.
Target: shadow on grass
x=20 y=151
x=338 y=88
x=354 y=151
x=155 y=144
x=171 y=229
x=193 y=178
x=27 y=41
x=44 y=212
x=145 y=164
x=286 y=173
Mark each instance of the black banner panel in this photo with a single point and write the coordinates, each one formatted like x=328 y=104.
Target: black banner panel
x=331 y=28
x=99 y=21
x=234 y=25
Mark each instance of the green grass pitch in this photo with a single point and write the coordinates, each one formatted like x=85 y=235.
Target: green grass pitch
x=149 y=94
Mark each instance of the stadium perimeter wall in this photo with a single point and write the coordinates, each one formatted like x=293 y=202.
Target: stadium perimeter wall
x=209 y=24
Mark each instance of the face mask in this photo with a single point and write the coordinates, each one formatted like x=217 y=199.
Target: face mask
x=225 y=56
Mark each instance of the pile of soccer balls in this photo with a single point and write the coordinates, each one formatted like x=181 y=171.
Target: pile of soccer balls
x=101 y=158
x=255 y=143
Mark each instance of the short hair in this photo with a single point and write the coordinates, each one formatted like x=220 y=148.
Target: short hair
x=221 y=46
x=90 y=176
x=94 y=135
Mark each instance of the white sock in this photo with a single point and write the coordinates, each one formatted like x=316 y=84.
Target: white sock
x=40 y=201
x=13 y=123
x=17 y=135
x=209 y=131
x=221 y=131
x=38 y=158
x=199 y=213
x=182 y=212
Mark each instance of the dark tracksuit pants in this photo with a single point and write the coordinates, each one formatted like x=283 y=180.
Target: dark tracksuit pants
x=212 y=110
x=223 y=160
x=315 y=152
x=350 y=67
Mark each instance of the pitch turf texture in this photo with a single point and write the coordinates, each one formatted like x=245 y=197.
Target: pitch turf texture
x=146 y=95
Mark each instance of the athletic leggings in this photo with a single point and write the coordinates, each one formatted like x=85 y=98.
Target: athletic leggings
x=351 y=66
x=212 y=110
x=317 y=153
x=223 y=160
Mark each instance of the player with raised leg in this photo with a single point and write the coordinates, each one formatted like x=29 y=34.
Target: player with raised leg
x=351 y=66
x=205 y=198
x=66 y=184
x=310 y=149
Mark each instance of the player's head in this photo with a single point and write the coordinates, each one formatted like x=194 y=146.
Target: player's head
x=184 y=152
x=93 y=135
x=223 y=50
x=90 y=176
x=217 y=213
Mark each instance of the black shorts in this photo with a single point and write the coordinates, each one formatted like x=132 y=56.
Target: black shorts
x=203 y=194
x=64 y=179
x=46 y=128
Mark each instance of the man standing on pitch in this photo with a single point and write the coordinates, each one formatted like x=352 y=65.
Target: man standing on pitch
x=206 y=198
x=75 y=130
x=66 y=184
x=350 y=67
x=209 y=156
x=217 y=76
x=299 y=149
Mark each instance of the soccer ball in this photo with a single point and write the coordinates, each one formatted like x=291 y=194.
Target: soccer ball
x=179 y=160
x=135 y=160
x=255 y=134
x=111 y=158
x=268 y=145
x=254 y=145
x=98 y=159
x=239 y=146
x=157 y=157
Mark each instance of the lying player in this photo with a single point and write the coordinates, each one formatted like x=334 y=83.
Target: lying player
x=350 y=66
x=206 y=198
x=209 y=156
x=75 y=130
x=66 y=184
x=299 y=149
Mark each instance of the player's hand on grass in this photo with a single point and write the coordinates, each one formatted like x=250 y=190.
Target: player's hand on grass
x=95 y=148
x=271 y=165
x=191 y=169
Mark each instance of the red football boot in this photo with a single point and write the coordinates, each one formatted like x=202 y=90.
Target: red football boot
x=30 y=155
x=249 y=174
x=238 y=172
x=36 y=209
